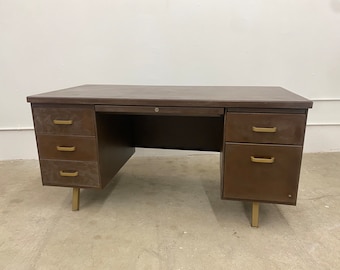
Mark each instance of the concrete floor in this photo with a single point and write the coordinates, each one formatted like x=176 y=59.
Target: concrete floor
x=166 y=213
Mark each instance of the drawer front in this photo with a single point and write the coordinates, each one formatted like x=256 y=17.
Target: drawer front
x=67 y=147
x=256 y=172
x=64 y=120
x=265 y=128
x=147 y=110
x=69 y=173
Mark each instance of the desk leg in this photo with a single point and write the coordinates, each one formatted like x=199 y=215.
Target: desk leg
x=255 y=214
x=75 y=199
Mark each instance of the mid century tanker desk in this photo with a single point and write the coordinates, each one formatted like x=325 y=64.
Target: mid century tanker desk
x=85 y=134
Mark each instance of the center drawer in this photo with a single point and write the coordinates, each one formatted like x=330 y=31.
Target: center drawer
x=276 y=128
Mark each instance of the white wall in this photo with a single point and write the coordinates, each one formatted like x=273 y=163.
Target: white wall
x=52 y=44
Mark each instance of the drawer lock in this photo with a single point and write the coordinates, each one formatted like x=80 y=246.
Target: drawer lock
x=262 y=160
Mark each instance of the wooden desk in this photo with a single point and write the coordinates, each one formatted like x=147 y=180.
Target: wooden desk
x=85 y=134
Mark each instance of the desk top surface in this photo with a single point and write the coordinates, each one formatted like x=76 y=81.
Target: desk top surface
x=192 y=96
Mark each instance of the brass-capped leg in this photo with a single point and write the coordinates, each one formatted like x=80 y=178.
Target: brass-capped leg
x=75 y=199
x=255 y=214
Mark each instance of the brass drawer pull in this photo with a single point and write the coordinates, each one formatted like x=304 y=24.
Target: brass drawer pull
x=264 y=129
x=62 y=122
x=262 y=160
x=68 y=174
x=66 y=148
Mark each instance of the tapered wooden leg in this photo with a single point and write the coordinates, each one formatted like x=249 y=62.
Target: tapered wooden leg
x=75 y=199
x=255 y=214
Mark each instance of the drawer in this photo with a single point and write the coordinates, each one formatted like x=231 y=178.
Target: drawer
x=69 y=173
x=148 y=110
x=64 y=120
x=259 y=172
x=67 y=147
x=265 y=128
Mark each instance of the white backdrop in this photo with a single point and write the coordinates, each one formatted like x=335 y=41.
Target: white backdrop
x=51 y=44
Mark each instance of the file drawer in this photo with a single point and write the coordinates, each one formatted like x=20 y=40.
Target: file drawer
x=262 y=172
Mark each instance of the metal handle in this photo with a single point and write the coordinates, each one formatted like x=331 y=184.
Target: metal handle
x=68 y=174
x=66 y=148
x=262 y=160
x=62 y=122
x=265 y=129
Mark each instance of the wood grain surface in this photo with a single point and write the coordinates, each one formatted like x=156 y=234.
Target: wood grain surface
x=195 y=96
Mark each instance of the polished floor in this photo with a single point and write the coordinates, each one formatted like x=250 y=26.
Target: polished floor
x=166 y=213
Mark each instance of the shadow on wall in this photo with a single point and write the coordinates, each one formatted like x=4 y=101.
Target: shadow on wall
x=335 y=5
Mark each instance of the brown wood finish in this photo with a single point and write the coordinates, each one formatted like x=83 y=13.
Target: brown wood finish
x=222 y=158
x=178 y=96
x=82 y=119
x=275 y=183
x=290 y=128
x=108 y=121
x=88 y=173
x=267 y=110
x=49 y=135
x=178 y=132
x=85 y=147
x=115 y=146
x=147 y=110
